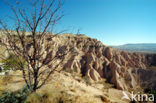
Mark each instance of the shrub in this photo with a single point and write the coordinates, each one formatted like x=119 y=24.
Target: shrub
x=68 y=70
x=39 y=98
x=152 y=67
x=75 y=69
x=153 y=92
x=15 y=97
x=57 y=96
x=12 y=62
x=87 y=80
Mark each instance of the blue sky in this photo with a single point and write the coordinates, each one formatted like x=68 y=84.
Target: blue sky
x=114 y=22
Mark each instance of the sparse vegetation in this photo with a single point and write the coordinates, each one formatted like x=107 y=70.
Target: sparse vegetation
x=87 y=80
x=15 y=97
x=151 y=91
x=75 y=69
x=3 y=82
x=68 y=70
x=37 y=54
x=2 y=86
x=152 y=67
x=39 y=18
x=105 y=84
x=6 y=78
x=108 y=85
x=12 y=62
x=58 y=97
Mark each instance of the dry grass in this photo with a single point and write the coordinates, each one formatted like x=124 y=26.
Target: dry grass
x=2 y=52
x=56 y=92
x=2 y=86
x=152 y=67
x=61 y=88
x=57 y=96
x=11 y=82
x=105 y=84
x=3 y=82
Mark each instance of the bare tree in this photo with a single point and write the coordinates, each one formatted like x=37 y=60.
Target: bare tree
x=28 y=38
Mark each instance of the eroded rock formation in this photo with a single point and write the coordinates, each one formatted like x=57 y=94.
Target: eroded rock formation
x=93 y=59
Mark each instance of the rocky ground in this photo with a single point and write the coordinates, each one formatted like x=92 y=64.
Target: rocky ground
x=71 y=86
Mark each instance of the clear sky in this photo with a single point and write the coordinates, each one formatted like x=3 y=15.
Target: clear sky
x=114 y=22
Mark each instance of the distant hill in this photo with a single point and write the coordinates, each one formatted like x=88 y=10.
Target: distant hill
x=141 y=47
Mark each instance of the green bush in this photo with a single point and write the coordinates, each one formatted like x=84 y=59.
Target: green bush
x=153 y=92
x=87 y=80
x=13 y=62
x=15 y=97
x=75 y=69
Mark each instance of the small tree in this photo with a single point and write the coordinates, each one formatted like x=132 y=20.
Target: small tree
x=28 y=38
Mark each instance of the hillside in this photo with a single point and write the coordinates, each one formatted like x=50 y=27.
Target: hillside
x=95 y=62
x=90 y=58
x=142 y=47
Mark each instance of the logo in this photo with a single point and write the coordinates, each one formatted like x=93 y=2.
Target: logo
x=138 y=97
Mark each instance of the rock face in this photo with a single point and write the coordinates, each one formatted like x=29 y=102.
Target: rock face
x=93 y=59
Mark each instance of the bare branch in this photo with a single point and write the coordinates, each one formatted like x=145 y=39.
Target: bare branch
x=28 y=40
